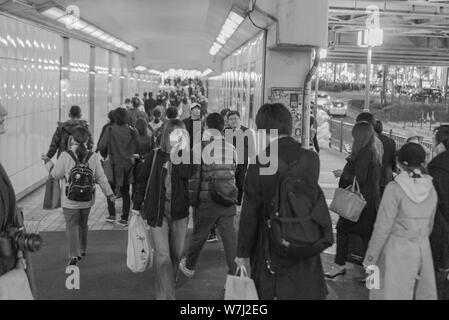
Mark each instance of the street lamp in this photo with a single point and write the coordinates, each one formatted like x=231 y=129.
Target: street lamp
x=369 y=38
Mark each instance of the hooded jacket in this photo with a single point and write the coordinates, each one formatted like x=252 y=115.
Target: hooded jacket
x=60 y=140
x=400 y=245
x=439 y=170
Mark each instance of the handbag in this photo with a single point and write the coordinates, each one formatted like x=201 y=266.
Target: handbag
x=240 y=287
x=52 y=198
x=349 y=203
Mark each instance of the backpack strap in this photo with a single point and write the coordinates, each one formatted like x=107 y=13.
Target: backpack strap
x=73 y=156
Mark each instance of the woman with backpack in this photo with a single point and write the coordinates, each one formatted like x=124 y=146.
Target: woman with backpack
x=400 y=246
x=80 y=170
x=162 y=196
x=363 y=165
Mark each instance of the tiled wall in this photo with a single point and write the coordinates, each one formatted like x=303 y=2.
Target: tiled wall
x=79 y=78
x=239 y=87
x=30 y=88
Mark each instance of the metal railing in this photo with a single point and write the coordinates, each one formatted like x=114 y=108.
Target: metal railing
x=341 y=134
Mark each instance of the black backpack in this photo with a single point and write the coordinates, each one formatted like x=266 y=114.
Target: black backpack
x=299 y=224
x=80 y=185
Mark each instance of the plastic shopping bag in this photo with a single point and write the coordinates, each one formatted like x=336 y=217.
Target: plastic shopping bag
x=139 y=253
x=240 y=287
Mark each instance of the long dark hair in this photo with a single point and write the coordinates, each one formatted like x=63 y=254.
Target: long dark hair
x=81 y=136
x=167 y=129
x=142 y=127
x=363 y=135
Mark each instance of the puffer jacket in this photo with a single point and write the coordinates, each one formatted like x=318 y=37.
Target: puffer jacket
x=223 y=166
x=60 y=140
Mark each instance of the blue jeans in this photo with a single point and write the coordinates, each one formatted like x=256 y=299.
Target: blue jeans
x=76 y=228
x=168 y=244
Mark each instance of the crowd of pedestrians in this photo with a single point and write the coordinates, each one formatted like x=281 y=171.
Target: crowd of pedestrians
x=275 y=225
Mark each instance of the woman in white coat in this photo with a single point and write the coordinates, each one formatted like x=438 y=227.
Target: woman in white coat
x=399 y=246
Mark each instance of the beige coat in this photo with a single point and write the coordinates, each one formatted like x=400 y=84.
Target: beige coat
x=400 y=246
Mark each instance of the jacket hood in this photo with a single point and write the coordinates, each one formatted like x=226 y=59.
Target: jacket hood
x=70 y=125
x=441 y=161
x=417 y=189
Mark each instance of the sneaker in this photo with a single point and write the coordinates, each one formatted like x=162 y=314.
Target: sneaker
x=335 y=272
x=123 y=223
x=111 y=219
x=73 y=262
x=212 y=238
x=182 y=267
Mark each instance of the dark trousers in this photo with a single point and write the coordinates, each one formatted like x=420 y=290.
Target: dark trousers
x=350 y=248
x=126 y=198
x=111 y=204
x=204 y=220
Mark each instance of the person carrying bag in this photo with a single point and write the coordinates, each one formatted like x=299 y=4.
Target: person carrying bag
x=240 y=287
x=349 y=203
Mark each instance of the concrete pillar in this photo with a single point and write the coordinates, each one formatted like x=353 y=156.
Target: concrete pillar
x=302 y=26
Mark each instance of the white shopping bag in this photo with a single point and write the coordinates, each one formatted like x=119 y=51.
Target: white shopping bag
x=240 y=287
x=139 y=253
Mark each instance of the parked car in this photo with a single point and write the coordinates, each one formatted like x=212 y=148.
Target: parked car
x=324 y=101
x=427 y=95
x=338 y=108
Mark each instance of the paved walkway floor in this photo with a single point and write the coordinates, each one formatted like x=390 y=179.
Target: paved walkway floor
x=51 y=224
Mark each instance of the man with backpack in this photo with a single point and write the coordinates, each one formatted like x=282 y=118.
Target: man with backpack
x=285 y=222
x=213 y=194
x=61 y=138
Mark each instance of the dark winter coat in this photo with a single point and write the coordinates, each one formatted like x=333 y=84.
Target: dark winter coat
x=152 y=200
x=388 y=160
x=189 y=123
x=120 y=144
x=60 y=140
x=367 y=169
x=439 y=170
x=301 y=279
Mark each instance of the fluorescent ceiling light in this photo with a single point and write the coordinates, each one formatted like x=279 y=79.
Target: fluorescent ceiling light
x=54 y=13
x=231 y=24
x=207 y=72
x=141 y=68
x=64 y=17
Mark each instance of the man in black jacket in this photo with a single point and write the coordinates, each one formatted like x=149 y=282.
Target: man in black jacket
x=60 y=140
x=389 y=157
x=439 y=239
x=150 y=105
x=195 y=118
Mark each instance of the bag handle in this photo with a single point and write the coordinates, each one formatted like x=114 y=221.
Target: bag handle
x=355 y=186
x=243 y=272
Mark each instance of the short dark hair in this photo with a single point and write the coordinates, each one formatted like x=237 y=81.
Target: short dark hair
x=378 y=127
x=111 y=116
x=75 y=112
x=145 y=94
x=157 y=113
x=121 y=116
x=136 y=102
x=225 y=112
x=127 y=100
x=272 y=116
x=233 y=113
x=442 y=135
x=366 y=117
x=172 y=113
x=215 y=121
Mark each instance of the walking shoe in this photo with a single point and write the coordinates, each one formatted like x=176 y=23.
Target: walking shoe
x=111 y=219
x=73 y=262
x=212 y=238
x=123 y=223
x=182 y=267
x=335 y=272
